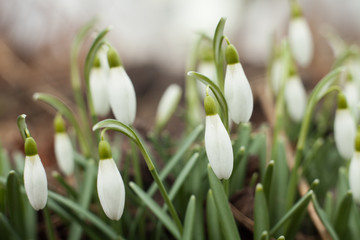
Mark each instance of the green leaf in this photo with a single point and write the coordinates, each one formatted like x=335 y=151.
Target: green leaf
x=189 y=220
x=343 y=216
x=264 y=236
x=227 y=222
x=218 y=94
x=258 y=147
x=218 y=52
x=7 y=232
x=154 y=207
x=22 y=126
x=324 y=218
x=84 y=214
x=268 y=179
x=5 y=166
x=117 y=126
x=261 y=213
x=69 y=115
x=299 y=206
x=212 y=217
x=15 y=204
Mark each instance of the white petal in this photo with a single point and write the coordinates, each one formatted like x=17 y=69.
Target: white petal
x=122 y=95
x=295 y=97
x=98 y=88
x=344 y=132
x=300 y=41
x=354 y=176
x=277 y=73
x=111 y=190
x=35 y=182
x=218 y=147
x=351 y=92
x=64 y=153
x=238 y=93
x=168 y=103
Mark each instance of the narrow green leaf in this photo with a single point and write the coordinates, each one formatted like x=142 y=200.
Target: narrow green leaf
x=6 y=230
x=84 y=214
x=69 y=189
x=50 y=232
x=154 y=207
x=264 y=236
x=18 y=157
x=261 y=213
x=189 y=219
x=218 y=94
x=69 y=115
x=227 y=222
x=343 y=216
x=268 y=179
x=15 y=204
x=30 y=220
x=5 y=165
x=354 y=221
x=301 y=204
x=324 y=218
x=212 y=217
x=243 y=136
x=218 y=52
x=258 y=147
x=329 y=205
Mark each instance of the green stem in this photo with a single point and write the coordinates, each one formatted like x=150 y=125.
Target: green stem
x=49 y=226
x=226 y=187
x=136 y=162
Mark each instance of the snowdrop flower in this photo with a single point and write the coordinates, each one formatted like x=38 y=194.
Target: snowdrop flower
x=300 y=39
x=110 y=186
x=295 y=98
x=63 y=149
x=35 y=181
x=344 y=129
x=121 y=90
x=237 y=88
x=354 y=171
x=351 y=92
x=167 y=105
x=98 y=86
x=217 y=142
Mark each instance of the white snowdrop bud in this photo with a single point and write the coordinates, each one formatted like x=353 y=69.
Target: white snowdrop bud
x=344 y=129
x=99 y=88
x=110 y=186
x=63 y=149
x=167 y=105
x=354 y=171
x=277 y=73
x=217 y=142
x=237 y=89
x=295 y=98
x=300 y=39
x=35 y=181
x=121 y=90
x=351 y=92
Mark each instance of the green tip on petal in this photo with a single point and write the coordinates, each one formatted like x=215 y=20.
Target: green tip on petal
x=209 y=105
x=113 y=58
x=96 y=63
x=231 y=55
x=104 y=150
x=357 y=141
x=30 y=147
x=341 y=103
x=59 y=124
x=295 y=10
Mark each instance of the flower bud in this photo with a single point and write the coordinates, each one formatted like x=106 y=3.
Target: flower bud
x=237 y=90
x=217 y=142
x=295 y=98
x=35 y=181
x=354 y=170
x=110 y=186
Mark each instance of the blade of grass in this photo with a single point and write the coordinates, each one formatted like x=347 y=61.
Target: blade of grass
x=212 y=217
x=218 y=56
x=189 y=219
x=261 y=213
x=343 y=216
x=7 y=232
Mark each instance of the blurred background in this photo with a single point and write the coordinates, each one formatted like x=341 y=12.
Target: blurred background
x=153 y=37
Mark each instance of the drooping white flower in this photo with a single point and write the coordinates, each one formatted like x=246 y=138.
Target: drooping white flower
x=121 y=90
x=344 y=129
x=110 y=186
x=217 y=142
x=64 y=152
x=168 y=104
x=300 y=40
x=295 y=98
x=237 y=89
x=98 y=87
x=354 y=170
x=351 y=92
x=35 y=181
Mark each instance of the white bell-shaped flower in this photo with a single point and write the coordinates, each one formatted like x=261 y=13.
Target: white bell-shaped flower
x=121 y=90
x=110 y=186
x=168 y=104
x=295 y=98
x=344 y=129
x=354 y=171
x=64 y=152
x=351 y=92
x=300 y=40
x=35 y=181
x=99 y=88
x=237 y=89
x=217 y=142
